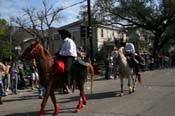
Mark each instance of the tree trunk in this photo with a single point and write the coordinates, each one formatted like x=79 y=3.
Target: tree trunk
x=156 y=45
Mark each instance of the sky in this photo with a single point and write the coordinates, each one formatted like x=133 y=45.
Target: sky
x=13 y=8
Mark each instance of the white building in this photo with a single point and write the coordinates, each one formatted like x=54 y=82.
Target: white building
x=102 y=36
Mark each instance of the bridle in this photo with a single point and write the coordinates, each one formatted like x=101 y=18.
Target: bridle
x=34 y=50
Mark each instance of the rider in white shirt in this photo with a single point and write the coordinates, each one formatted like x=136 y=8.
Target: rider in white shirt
x=68 y=48
x=67 y=53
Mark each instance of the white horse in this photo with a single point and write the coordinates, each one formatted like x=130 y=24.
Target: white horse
x=125 y=71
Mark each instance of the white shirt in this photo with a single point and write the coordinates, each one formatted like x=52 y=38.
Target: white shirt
x=68 y=48
x=129 y=48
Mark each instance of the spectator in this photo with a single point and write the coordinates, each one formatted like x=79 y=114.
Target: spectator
x=41 y=91
x=21 y=83
x=110 y=58
x=34 y=74
x=2 y=72
x=14 y=77
x=106 y=67
x=7 y=77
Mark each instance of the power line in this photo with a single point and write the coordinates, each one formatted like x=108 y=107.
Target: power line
x=73 y=5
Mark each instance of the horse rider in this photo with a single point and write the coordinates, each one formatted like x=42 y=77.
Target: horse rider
x=131 y=55
x=67 y=53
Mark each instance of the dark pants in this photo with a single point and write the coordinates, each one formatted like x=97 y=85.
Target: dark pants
x=68 y=60
x=133 y=63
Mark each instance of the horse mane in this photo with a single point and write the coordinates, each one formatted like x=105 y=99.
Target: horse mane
x=45 y=52
x=121 y=50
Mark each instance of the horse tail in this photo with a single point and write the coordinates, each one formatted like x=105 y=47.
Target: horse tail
x=90 y=71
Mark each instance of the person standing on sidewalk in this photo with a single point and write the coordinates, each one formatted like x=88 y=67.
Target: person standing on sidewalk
x=41 y=91
x=7 y=77
x=2 y=73
x=34 y=74
x=14 y=77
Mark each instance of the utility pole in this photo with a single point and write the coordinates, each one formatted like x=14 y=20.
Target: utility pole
x=89 y=31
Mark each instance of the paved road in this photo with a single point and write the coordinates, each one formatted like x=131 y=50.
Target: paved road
x=155 y=97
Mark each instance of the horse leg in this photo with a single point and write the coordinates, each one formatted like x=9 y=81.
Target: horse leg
x=82 y=100
x=46 y=96
x=134 y=83
x=56 y=105
x=129 y=85
x=121 y=82
x=83 y=92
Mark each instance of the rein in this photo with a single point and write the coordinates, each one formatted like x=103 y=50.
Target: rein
x=49 y=58
x=35 y=49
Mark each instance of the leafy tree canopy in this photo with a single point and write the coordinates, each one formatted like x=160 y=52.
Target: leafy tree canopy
x=157 y=16
x=3 y=24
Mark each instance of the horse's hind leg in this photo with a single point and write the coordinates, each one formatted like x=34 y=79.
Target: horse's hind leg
x=121 y=82
x=56 y=105
x=82 y=100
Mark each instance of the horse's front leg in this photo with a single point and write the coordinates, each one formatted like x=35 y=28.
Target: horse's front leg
x=82 y=100
x=56 y=105
x=46 y=96
x=129 y=85
x=121 y=84
x=134 y=83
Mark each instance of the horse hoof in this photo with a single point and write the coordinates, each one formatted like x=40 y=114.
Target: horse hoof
x=77 y=110
x=55 y=115
x=41 y=114
x=121 y=94
x=130 y=92
x=83 y=106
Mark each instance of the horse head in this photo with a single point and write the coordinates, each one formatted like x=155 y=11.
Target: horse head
x=32 y=51
x=119 y=53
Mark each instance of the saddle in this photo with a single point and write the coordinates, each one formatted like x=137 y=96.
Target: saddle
x=81 y=67
x=135 y=62
x=59 y=65
x=140 y=61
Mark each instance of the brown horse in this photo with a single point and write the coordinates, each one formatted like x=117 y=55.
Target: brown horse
x=45 y=64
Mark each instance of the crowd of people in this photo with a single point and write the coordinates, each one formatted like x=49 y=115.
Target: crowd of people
x=17 y=75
